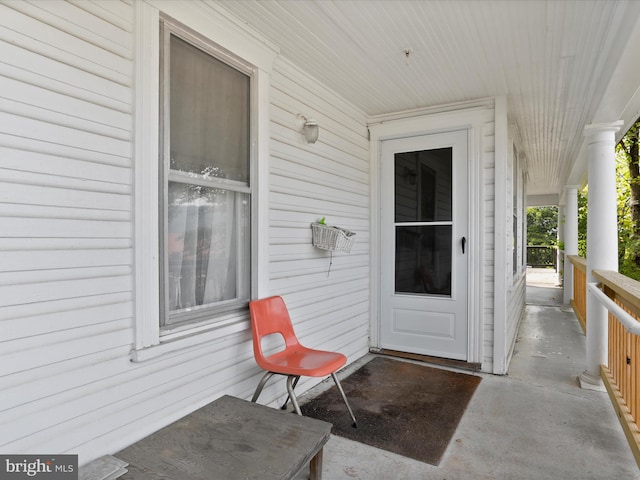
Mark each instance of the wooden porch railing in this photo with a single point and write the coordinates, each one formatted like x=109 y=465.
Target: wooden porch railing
x=579 y=302
x=622 y=375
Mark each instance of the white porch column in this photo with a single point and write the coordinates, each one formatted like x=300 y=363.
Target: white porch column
x=570 y=237
x=602 y=240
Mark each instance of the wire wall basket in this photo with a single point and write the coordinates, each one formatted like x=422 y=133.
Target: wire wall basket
x=328 y=237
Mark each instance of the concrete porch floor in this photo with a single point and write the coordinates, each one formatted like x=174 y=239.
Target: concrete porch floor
x=533 y=424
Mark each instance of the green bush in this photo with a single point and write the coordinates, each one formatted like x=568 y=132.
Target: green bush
x=629 y=257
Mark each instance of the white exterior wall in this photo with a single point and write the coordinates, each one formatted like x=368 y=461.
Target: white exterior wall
x=66 y=238
x=487 y=133
x=329 y=303
x=65 y=223
x=515 y=308
x=509 y=284
x=516 y=292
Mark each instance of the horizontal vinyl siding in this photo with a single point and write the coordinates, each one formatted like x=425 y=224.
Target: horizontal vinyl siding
x=329 y=303
x=488 y=163
x=515 y=311
x=517 y=291
x=66 y=313
x=65 y=218
x=66 y=248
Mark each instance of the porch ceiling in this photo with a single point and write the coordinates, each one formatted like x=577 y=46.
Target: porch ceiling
x=553 y=59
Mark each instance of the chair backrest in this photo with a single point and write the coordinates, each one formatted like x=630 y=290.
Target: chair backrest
x=269 y=316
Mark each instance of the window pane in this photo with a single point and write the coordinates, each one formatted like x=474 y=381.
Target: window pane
x=423 y=185
x=423 y=260
x=209 y=120
x=208 y=232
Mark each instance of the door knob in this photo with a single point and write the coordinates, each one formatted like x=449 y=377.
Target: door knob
x=464 y=242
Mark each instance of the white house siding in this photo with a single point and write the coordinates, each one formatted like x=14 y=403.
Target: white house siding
x=515 y=308
x=66 y=220
x=508 y=282
x=328 y=295
x=487 y=132
x=516 y=292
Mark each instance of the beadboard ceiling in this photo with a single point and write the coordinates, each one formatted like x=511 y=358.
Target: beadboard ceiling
x=552 y=59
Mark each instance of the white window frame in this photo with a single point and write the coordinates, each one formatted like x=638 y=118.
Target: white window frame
x=174 y=323
x=521 y=214
x=149 y=341
x=517 y=215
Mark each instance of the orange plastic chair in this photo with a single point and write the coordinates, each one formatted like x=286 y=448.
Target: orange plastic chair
x=270 y=316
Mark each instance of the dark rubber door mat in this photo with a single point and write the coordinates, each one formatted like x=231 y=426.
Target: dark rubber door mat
x=409 y=409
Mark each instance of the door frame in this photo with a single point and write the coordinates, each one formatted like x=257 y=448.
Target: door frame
x=471 y=117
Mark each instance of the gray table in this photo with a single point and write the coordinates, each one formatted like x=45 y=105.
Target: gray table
x=230 y=439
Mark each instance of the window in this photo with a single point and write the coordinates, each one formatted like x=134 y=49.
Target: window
x=514 y=196
x=240 y=178
x=205 y=190
x=519 y=240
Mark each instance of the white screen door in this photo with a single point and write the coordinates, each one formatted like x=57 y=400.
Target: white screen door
x=424 y=248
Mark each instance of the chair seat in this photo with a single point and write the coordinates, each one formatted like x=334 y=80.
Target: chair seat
x=302 y=361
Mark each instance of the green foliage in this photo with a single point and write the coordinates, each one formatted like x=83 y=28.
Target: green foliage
x=582 y=222
x=542 y=225
x=628 y=237
x=627 y=252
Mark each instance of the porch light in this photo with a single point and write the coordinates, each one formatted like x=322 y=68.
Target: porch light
x=310 y=129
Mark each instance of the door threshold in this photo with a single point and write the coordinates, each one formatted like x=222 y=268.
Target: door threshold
x=446 y=362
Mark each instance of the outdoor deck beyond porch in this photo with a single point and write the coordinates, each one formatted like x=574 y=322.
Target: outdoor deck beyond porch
x=533 y=424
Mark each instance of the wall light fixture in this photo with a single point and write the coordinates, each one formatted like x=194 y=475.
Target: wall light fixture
x=310 y=129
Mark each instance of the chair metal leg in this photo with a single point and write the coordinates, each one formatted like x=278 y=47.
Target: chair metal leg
x=292 y=395
x=344 y=397
x=295 y=382
x=261 y=385
x=292 y=381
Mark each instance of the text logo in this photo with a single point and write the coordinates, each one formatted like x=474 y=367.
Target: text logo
x=38 y=467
